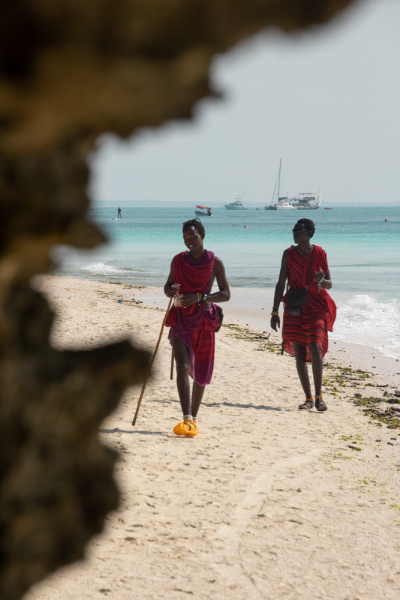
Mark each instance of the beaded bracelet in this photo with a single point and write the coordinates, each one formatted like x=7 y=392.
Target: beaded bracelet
x=320 y=286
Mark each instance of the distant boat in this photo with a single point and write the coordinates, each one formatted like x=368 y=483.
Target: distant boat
x=201 y=212
x=328 y=208
x=285 y=206
x=237 y=205
x=282 y=203
x=304 y=201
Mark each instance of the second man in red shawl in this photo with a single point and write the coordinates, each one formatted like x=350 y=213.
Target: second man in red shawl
x=305 y=333
x=193 y=319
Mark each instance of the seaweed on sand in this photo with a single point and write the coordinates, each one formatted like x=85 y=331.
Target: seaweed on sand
x=338 y=381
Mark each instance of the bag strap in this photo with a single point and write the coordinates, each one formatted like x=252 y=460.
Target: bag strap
x=309 y=269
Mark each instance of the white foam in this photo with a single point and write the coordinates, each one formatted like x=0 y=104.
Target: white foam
x=366 y=321
x=99 y=268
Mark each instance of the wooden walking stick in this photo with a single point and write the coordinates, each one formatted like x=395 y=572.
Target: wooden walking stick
x=172 y=365
x=151 y=363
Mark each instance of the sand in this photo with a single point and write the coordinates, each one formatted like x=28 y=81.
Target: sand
x=267 y=502
x=248 y=311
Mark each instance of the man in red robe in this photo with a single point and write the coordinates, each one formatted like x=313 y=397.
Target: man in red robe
x=193 y=319
x=305 y=335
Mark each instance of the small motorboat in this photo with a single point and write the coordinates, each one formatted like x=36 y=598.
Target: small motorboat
x=237 y=205
x=201 y=212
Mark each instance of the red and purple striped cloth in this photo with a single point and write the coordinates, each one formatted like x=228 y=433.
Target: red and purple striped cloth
x=318 y=314
x=195 y=325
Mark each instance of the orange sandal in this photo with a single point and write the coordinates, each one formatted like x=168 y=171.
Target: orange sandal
x=186 y=428
x=194 y=430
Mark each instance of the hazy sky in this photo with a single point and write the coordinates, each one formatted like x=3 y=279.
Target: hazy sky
x=327 y=102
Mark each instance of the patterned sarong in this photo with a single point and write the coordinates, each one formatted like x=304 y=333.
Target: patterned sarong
x=318 y=314
x=195 y=325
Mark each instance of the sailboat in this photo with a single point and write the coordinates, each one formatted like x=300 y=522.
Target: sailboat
x=282 y=201
x=303 y=201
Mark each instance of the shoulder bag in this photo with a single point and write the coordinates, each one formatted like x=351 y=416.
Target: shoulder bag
x=297 y=298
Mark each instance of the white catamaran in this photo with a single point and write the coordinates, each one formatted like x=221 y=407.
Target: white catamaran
x=305 y=201
x=281 y=201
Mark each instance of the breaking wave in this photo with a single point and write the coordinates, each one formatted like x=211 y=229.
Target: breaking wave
x=99 y=268
x=369 y=322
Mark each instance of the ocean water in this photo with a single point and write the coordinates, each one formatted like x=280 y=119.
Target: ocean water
x=363 y=254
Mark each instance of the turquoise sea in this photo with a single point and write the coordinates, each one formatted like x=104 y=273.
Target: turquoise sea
x=363 y=254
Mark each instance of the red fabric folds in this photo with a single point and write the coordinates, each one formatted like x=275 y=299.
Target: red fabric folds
x=195 y=325
x=318 y=314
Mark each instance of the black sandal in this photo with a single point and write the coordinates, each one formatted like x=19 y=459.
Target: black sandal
x=308 y=404
x=320 y=404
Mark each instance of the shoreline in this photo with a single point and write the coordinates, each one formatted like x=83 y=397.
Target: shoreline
x=344 y=354
x=376 y=373
x=357 y=355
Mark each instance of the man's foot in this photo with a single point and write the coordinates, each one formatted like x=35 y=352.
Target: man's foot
x=194 y=430
x=320 y=404
x=307 y=405
x=187 y=428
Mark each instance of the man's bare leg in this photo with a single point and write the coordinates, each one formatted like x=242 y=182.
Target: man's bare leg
x=197 y=397
x=182 y=362
x=317 y=367
x=301 y=366
x=302 y=371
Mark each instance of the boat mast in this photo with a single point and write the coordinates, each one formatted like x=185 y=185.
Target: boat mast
x=279 y=179
x=277 y=183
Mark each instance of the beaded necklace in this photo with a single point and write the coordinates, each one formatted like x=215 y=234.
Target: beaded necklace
x=304 y=255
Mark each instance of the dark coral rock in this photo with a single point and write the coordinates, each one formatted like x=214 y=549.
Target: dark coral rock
x=70 y=71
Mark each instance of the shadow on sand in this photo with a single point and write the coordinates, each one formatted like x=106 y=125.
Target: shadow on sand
x=255 y=406
x=131 y=431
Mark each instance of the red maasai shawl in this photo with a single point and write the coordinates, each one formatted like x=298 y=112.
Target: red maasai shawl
x=195 y=325
x=318 y=314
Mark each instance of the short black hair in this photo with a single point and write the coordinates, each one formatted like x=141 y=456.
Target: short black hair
x=197 y=224
x=307 y=224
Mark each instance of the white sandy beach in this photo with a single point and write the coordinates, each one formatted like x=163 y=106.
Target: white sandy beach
x=268 y=502
x=252 y=306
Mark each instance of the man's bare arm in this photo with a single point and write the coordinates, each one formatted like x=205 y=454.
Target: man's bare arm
x=280 y=289
x=224 y=293
x=323 y=279
x=280 y=286
x=169 y=291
